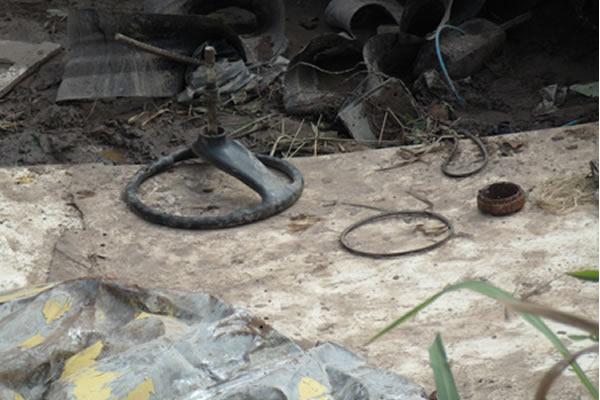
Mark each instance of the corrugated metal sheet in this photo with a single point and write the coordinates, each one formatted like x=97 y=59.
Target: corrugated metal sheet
x=100 y=67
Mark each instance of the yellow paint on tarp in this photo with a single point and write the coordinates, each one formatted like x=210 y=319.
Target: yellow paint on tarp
x=54 y=309
x=88 y=382
x=142 y=391
x=24 y=292
x=18 y=397
x=91 y=384
x=143 y=315
x=310 y=389
x=33 y=341
x=134 y=303
x=171 y=310
x=84 y=359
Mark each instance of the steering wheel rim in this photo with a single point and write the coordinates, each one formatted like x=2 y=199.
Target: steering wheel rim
x=267 y=208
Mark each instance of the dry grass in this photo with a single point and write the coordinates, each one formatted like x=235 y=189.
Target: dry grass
x=561 y=195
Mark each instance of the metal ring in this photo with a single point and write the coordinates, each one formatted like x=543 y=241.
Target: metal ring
x=388 y=215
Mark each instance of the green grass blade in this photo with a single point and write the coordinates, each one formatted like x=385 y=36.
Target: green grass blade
x=586 y=275
x=579 y=338
x=473 y=285
x=406 y=317
x=444 y=380
x=543 y=328
x=505 y=297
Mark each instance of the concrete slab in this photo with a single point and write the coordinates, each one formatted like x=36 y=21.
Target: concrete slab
x=19 y=59
x=34 y=212
x=291 y=270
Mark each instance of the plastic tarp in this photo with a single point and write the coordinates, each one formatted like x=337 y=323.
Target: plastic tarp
x=97 y=340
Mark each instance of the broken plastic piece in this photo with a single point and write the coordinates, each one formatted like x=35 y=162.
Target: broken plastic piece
x=553 y=96
x=361 y=18
x=463 y=53
x=322 y=76
x=377 y=111
x=586 y=89
x=265 y=43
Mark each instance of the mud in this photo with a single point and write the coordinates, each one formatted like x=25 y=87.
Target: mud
x=553 y=47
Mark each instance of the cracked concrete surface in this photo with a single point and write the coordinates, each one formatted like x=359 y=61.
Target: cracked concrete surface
x=33 y=215
x=291 y=271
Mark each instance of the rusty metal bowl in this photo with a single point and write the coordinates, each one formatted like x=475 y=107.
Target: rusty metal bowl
x=501 y=198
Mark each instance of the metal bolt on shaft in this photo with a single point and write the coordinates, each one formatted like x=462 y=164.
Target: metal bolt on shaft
x=212 y=94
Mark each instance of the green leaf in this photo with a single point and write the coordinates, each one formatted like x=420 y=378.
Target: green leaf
x=504 y=297
x=444 y=380
x=586 y=89
x=578 y=338
x=586 y=275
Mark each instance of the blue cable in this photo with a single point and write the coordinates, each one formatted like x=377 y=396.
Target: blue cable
x=438 y=52
x=573 y=123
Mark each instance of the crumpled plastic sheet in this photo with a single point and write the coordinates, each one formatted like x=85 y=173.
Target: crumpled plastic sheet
x=553 y=96
x=231 y=77
x=236 y=81
x=261 y=46
x=90 y=339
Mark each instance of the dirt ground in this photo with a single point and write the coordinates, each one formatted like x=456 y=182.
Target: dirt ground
x=553 y=47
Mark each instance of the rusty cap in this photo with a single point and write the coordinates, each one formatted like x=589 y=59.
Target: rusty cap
x=501 y=198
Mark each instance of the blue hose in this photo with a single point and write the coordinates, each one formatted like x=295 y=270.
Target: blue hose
x=573 y=123
x=438 y=52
